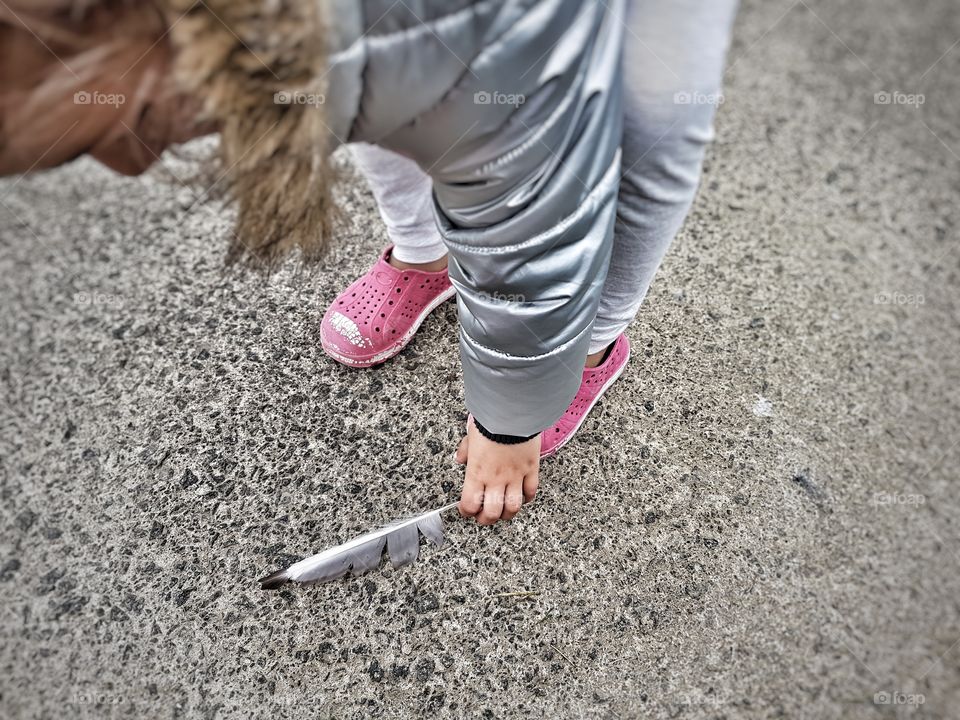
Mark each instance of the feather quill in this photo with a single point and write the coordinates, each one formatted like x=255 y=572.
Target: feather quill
x=363 y=553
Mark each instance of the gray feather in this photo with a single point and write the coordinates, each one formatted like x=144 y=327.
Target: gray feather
x=363 y=553
x=432 y=528
x=367 y=557
x=403 y=544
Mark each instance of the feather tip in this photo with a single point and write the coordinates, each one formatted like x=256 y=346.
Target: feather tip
x=274 y=581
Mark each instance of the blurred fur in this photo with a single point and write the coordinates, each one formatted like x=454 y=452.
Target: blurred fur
x=236 y=55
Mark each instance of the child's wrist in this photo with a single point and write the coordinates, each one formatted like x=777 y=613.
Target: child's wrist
x=500 y=438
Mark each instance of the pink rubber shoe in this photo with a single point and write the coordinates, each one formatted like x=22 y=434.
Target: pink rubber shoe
x=375 y=318
x=593 y=385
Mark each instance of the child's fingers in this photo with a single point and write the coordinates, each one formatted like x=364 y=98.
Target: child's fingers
x=461 y=454
x=530 y=484
x=492 y=505
x=471 y=499
x=513 y=500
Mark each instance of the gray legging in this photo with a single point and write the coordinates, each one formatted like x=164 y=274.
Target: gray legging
x=674 y=53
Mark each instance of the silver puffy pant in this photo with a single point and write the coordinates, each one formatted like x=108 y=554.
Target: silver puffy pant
x=672 y=65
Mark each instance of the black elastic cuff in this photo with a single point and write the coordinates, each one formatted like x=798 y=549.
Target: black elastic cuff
x=502 y=439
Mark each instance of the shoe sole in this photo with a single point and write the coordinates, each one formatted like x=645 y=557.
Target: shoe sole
x=400 y=344
x=576 y=428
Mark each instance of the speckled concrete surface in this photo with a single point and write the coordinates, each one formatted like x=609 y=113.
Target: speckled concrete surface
x=759 y=520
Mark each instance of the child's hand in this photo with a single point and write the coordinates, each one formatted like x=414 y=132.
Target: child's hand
x=499 y=479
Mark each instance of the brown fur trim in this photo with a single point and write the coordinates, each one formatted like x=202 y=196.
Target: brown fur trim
x=234 y=56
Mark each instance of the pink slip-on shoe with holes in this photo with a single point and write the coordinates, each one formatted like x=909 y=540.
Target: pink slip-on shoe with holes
x=593 y=385
x=375 y=318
